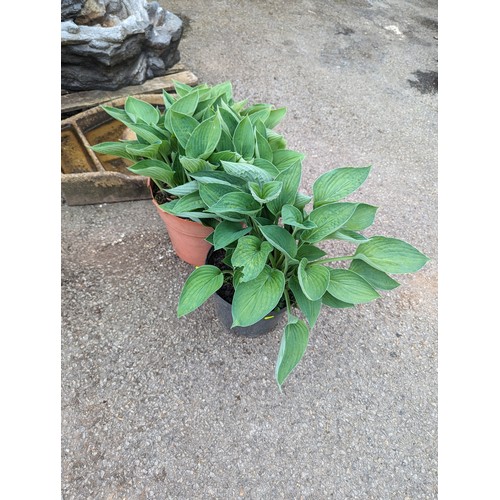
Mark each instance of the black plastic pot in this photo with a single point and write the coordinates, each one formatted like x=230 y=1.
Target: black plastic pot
x=223 y=310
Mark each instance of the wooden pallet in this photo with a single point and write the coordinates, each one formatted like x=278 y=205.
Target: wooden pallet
x=75 y=102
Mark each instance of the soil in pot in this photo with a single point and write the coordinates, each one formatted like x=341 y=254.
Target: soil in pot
x=223 y=299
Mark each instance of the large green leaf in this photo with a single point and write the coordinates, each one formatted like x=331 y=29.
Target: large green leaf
x=226 y=232
x=292 y=216
x=155 y=169
x=186 y=105
x=284 y=158
x=183 y=126
x=141 y=111
x=188 y=203
x=184 y=189
x=292 y=348
x=251 y=255
x=281 y=239
x=363 y=217
x=276 y=141
x=205 y=136
x=114 y=149
x=328 y=219
x=193 y=165
x=243 y=138
x=263 y=148
x=211 y=193
x=217 y=177
x=149 y=134
x=118 y=114
x=144 y=150
x=246 y=171
x=313 y=279
x=225 y=142
x=267 y=166
x=216 y=158
x=275 y=117
x=266 y=192
x=200 y=285
x=236 y=202
x=347 y=235
x=301 y=200
x=291 y=181
x=310 y=252
x=337 y=184
x=261 y=114
x=330 y=301
x=378 y=279
x=310 y=308
x=350 y=287
x=254 y=299
x=391 y=255
x=229 y=119
x=182 y=89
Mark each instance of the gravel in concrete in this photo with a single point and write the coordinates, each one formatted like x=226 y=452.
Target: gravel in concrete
x=155 y=407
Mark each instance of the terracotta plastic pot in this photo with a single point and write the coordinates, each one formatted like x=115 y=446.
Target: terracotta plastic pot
x=224 y=314
x=187 y=236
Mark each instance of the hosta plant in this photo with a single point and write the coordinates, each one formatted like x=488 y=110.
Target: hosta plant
x=185 y=145
x=272 y=246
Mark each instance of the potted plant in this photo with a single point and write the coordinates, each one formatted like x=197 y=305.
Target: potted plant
x=266 y=260
x=179 y=148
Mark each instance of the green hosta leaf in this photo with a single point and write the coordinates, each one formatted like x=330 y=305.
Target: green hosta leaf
x=310 y=252
x=292 y=216
x=284 y=158
x=281 y=239
x=254 y=299
x=225 y=142
x=144 y=150
x=291 y=180
x=301 y=200
x=168 y=99
x=211 y=193
x=330 y=301
x=378 y=279
x=186 y=105
x=184 y=189
x=239 y=202
x=246 y=171
x=224 y=89
x=310 y=308
x=254 y=108
x=182 y=126
x=275 y=117
x=141 y=111
x=118 y=114
x=263 y=148
x=261 y=114
x=292 y=348
x=193 y=165
x=155 y=169
x=251 y=255
x=216 y=177
x=182 y=89
x=350 y=287
x=187 y=203
x=238 y=106
x=262 y=221
x=205 y=136
x=114 y=149
x=337 y=184
x=216 y=158
x=347 y=235
x=313 y=279
x=363 y=217
x=229 y=119
x=391 y=255
x=276 y=141
x=267 y=166
x=328 y=219
x=266 y=192
x=200 y=285
x=149 y=134
x=243 y=139
x=164 y=149
x=226 y=232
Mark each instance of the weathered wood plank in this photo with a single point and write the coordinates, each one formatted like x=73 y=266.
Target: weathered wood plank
x=77 y=101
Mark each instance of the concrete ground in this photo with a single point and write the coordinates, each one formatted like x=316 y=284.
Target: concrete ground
x=159 y=407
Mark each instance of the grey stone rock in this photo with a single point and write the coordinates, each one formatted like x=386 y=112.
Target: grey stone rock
x=108 y=44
